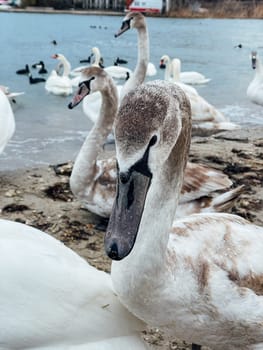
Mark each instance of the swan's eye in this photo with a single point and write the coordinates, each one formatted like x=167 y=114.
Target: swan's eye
x=153 y=141
x=86 y=83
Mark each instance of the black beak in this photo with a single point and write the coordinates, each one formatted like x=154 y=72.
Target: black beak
x=126 y=214
x=83 y=91
x=162 y=65
x=125 y=26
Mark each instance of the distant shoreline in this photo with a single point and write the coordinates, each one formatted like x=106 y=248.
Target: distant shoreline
x=184 y=13
x=49 y=10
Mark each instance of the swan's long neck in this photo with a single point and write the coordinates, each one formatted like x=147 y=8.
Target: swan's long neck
x=259 y=69
x=85 y=165
x=175 y=70
x=97 y=56
x=168 y=69
x=147 y=260
x=140 y=70
x=66 y=66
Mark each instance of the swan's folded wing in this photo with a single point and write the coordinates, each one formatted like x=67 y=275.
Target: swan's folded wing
x=231 y=253
x=200 y=181
x=49 y=294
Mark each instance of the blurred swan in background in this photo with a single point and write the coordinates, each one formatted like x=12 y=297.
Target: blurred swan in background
x=205 y=116
x=60 y=84
x=255 y=88
x=7 y=121
x=191 y=77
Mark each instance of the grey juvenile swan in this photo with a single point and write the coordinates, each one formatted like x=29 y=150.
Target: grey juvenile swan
x=198 y=278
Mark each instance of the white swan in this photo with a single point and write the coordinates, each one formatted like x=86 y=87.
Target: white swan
x=255 y=88
x=192 y=78
x=205 y=116
x=199 y=278
x=60 y=84
x=51 y=298
x=7 y=121
x=93 y=181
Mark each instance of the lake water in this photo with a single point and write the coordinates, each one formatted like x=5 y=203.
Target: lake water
x=47 y=132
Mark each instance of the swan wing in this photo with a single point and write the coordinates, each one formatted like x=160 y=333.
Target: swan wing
x=50 y=295
x=200 y=181
x=194 y=78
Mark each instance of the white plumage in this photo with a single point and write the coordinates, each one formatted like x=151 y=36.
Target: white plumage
x=60 y=84
x=255 y=88
x=7 y=121
x=53 y=299
x=205 y=116
x=192 y=77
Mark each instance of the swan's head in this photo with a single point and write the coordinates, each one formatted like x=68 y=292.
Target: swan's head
x=151 y=121
x=165 y=59
x=253 y=58
x=95 y=51
x=132 y=20
x=58 y=56
x=92 y=79
x=96 y=58
x=4 y=89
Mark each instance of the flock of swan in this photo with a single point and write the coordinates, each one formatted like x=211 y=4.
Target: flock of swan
x=177 y=263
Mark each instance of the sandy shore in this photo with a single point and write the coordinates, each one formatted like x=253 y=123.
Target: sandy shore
x=41 y=197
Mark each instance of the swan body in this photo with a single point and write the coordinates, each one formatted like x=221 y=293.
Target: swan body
x=93 y=181
x=255 y=88
x=197 y=278
x=51 y=298
x=57 y=84
x=205 y=116
x=151 y=70
x=118 y=72
x=192 y=78
x=7 y=121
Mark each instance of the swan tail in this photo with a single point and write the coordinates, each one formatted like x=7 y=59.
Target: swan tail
x=199 y=82
x=227 y=126
x=226 y=201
